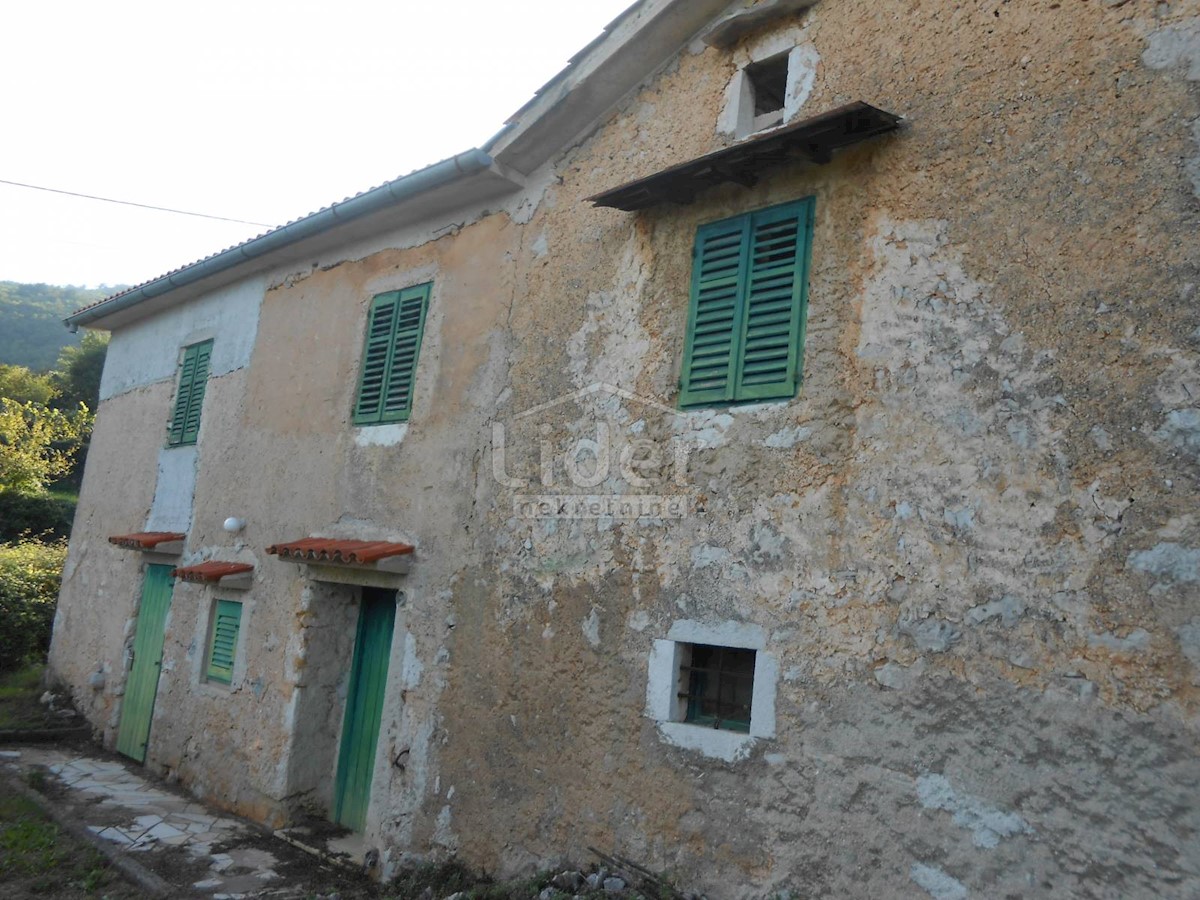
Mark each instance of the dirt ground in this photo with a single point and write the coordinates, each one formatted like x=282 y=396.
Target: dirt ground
x=37 y=859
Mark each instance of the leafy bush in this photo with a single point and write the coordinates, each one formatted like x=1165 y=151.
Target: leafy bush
x=38 y=443
x=30 y=574
x=46 y=516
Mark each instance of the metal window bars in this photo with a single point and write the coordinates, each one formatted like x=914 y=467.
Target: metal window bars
x=720 y=685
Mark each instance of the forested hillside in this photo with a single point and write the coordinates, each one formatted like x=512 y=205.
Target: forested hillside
x=31 y=329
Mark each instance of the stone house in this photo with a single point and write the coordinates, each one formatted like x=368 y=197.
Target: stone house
x=772 y=458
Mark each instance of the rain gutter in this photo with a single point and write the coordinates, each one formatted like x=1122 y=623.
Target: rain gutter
x=393 y=192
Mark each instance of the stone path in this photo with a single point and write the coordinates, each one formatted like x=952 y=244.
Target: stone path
x=120 y=805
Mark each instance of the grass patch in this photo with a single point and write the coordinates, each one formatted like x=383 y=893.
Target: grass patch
x=37 y=858
x=19 y=693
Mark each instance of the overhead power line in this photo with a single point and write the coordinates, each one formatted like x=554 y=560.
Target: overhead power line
x=181 y=212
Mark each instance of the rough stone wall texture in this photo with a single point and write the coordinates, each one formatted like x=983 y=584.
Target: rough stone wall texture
x=971 y=540
x=102 y=583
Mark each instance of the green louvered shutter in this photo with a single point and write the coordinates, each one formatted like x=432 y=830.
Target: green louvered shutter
x=189 y=399
x=226 y=625
x=410 y=326
x=393 y=344
x=745 y=334
x=772 y=335
x=718 y=270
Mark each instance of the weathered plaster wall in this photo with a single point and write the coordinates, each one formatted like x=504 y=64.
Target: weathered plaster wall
x=102 y=583
x=148 y=350
x=277 y=450
x=971 y=540
x=970 y=543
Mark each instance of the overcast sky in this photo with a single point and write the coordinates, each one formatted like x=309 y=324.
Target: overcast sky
x=261 y=110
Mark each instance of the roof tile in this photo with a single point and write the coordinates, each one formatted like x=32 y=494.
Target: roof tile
x=146 y=540
x=211 y=571
x=359 y=553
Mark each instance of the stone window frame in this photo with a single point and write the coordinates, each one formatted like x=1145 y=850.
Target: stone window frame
x=664 y=684
x=200 y=650
x=738 y=118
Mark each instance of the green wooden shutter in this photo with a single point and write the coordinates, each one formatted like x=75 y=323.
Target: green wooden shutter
x=410 y=327
x=775 y=294
x=226 y=624
x=718 y=270
x=377 y=357
x=746 y=316
x=193 y=378
x=395 y=327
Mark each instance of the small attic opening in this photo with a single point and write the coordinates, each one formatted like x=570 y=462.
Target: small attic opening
x=768 y=82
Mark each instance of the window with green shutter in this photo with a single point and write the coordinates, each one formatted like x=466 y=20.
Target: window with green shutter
x=745 y=337
x=193 y=376
x=389 y=363
x=222 y=645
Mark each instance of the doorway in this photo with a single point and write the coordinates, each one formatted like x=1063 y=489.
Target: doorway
x=364 y=707
x=141 y=688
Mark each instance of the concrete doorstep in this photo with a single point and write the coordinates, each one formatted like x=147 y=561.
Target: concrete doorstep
x=166 y=842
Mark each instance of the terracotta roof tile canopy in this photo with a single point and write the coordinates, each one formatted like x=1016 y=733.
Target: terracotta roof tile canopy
x=813 y=139
x=210 y=572
x=146 y=540
x=335 y=552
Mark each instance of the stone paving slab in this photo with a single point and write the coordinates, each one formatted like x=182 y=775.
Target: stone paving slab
x=121 y=806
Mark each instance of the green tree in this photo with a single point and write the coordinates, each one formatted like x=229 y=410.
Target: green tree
x=77 y=372
x=31 y=326
x=38 y=444
x=30 y=573
x=20 y=384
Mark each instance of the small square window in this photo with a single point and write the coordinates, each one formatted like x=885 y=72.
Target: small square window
x=768 y=81
x=711 y=688
x=719 y=685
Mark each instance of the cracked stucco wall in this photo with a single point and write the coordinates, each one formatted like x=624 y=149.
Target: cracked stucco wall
x=970 y=542
x=969 y=534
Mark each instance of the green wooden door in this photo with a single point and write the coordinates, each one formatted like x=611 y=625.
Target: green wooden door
x=364 y=707
x=142 y=685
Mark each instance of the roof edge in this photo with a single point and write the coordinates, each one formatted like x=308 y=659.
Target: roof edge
x=597 y=79
x=390 y=193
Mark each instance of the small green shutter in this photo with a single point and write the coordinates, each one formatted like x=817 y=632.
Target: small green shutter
x=393 y=343
x=745 y=338
x=193 y=377
x=226 y=624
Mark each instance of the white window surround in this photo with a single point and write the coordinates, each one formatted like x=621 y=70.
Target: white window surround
x=738 y=118
x=174 y=489
x=390 y=435
x=198 y=648
x=663 y=687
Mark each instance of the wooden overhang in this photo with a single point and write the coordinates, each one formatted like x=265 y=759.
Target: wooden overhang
x=223 y=574
x=379 y=556
x=170 y=542
x=812 y=140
